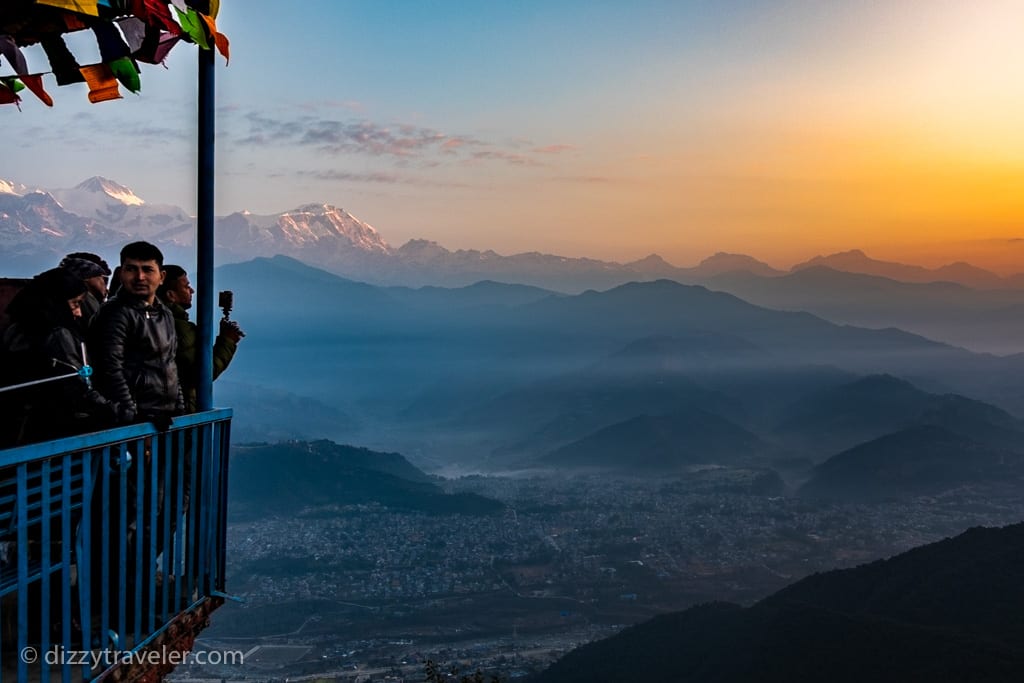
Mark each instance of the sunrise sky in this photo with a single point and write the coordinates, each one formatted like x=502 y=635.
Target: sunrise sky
x=588 y=128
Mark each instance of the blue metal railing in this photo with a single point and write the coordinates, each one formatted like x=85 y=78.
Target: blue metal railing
x=105 y=539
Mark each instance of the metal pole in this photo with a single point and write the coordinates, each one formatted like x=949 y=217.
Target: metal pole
x=204 y=232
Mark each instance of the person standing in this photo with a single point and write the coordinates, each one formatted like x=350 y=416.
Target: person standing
x=176 y=292
x=133 y=344
x=45 y=340
x=41 y=355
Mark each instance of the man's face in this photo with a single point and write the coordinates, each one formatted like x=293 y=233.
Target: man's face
x=98 y=286
x=141 y=278
x=180 y=292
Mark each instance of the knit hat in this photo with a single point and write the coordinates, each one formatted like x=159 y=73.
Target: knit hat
x=83 y=269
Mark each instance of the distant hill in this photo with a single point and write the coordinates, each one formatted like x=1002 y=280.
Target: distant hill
x=285 y=477
x=654 y=376
x=917 y=461
x=661 y=443
x=669 y=308
x=478 y=295
x=541 y=416
x=839 y=417
x=266 y=414
x=494 y=367
x=981 y=320
x=302 y=298
x=945 y=612
x=723 y=262
x=692 y=351
x=856 y=261
x=757 y=383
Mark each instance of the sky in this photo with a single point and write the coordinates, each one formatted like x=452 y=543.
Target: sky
x=612 y=130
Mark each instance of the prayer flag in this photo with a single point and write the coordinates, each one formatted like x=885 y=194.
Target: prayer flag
x=35 y=84
x=9 y=49
x=102 y=84
x=126 y=72
x=62 y=62
x=90 y=7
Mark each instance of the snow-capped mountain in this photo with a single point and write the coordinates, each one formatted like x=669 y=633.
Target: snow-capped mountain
x=318 y=234
x=96 y=194
x=38 y=227
x=115 y=206
x=7 y=187
x=101 y=215
x=306 y=228
x=36 y=231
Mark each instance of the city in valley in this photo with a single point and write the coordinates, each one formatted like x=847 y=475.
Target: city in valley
x=364 y=593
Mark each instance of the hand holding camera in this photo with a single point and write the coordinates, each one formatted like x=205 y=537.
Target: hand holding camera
x=229 y=328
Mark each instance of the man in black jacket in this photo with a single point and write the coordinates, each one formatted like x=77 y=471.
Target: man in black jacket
x=133 y=343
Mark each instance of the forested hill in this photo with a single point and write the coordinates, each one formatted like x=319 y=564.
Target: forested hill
x=948 y=611
x=286 y=477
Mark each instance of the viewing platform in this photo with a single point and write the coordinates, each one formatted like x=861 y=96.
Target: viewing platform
x=112 y=549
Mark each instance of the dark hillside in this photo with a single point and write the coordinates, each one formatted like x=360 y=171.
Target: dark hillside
x=949 y=611
x=286 y=477
x=837 y=418
x=917 y=461
x=662 y=443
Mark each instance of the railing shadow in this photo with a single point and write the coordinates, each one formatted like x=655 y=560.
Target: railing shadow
x=106 y=539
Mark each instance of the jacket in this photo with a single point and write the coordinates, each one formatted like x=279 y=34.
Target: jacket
x=188 y=367
x=52 y=409
x=132 y=347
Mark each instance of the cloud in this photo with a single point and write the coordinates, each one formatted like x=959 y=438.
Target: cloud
x=90 y=131
x=369 y=138
x=351 y=105
x=588 y=179
x=554 y=149
x=265 y=130
x=510 y=157
x=387 y=178
x=151 y=132
x=404 y=143
x=453 y=144
x=377 y=178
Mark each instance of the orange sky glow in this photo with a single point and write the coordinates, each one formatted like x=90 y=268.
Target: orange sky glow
x=604 y=129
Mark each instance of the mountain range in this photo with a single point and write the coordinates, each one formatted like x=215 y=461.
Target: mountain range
x=505 y=377
x=958 y=303
x=856 y=261
x=99 y=214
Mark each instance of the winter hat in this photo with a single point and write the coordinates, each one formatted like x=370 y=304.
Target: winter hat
x=83 y=269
